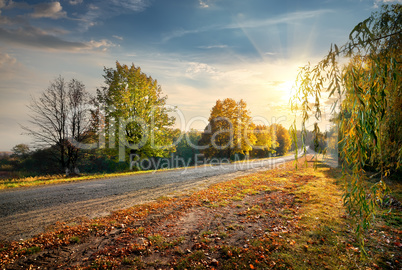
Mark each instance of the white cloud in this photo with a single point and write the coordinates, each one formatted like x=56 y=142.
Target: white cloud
x=103 y=44
x=110 y=8
x=181 y=32
x=200 y=68
x=10 y=4
x=75 y=2
x=214 y=47
x=19 y=32
x=265 y=86
x=250 y=23
x=134 y=5
x=93 y=7
x=52 y=10
x=8 y=66
x=389 y=1
x=6 y=60
x=203 y=4
x=118 y=37
x=378 y=3
x=285 y=18
x=32 y=37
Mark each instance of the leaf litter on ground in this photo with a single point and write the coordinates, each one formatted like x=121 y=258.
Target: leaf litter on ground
x=276 y=219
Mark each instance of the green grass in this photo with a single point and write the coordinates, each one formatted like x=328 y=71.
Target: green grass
x=75 y=239
x=32 y=250
x=56 y=179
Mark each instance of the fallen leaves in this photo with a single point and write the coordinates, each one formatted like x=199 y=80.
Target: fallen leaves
x=260 y=221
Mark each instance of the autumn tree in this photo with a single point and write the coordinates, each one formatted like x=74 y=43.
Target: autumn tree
x=228 y=131
x=60 y=119
x=135 y=114
x=265 y=141
x=283 y=140
x=366 y=94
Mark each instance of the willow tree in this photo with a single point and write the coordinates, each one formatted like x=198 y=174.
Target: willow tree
x=367 y=106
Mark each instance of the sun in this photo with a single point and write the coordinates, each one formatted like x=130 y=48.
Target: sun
x=287 y=90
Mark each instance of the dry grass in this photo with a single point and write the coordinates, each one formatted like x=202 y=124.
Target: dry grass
x=54 y=179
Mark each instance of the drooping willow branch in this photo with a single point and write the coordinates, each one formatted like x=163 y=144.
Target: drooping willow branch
x=367 y=97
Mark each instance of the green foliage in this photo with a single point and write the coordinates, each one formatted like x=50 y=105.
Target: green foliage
x=367 y=101
x=21 y=150
x=136 y=117
x=101 y=161
x=40 y=162
x=187 y=146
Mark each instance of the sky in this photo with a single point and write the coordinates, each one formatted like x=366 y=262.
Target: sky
x=198 y=50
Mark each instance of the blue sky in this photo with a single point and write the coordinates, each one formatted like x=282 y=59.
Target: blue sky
x=198 y=50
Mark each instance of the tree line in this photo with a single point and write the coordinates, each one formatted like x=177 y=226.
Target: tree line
x=231 y=134
x=74 y=131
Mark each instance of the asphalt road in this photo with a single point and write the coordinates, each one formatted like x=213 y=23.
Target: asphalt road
x=24 y=200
